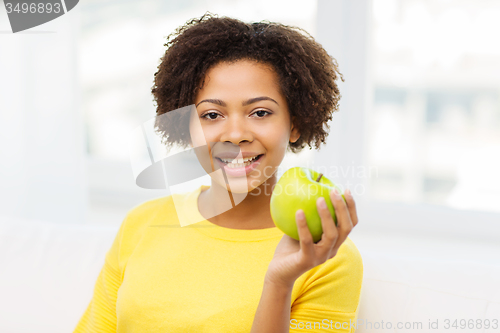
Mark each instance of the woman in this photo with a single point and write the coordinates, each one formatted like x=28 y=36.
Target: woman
x=262 y=88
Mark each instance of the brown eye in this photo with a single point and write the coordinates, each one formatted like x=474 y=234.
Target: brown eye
x=212 y=115
x=261 y=113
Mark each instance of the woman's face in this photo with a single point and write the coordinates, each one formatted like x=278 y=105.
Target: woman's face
x=241 y=113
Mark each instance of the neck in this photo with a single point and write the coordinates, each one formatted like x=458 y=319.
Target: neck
x=251 y=210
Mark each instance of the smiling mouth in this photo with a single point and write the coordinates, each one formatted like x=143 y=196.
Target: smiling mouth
x=239 y=163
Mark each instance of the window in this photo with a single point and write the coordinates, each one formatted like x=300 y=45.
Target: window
x=399 y=109
x=434 y=131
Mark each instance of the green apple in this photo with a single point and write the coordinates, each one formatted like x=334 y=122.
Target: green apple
x=299 y=188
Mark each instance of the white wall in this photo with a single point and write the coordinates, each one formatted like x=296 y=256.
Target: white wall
x=42 y=147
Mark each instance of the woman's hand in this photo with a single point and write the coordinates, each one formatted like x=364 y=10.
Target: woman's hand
x=292 y=258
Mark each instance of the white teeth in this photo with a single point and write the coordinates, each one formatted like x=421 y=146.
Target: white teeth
x=239 y=162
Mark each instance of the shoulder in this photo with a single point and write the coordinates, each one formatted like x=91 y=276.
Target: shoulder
x=346 y=266
x=140 y=217
x=145 y=213
x=160 y=211
x=346 y=263
x=150 y=208
x=348 y=254
x=345 y=270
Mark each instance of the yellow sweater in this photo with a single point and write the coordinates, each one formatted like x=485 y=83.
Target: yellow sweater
x=161 y=277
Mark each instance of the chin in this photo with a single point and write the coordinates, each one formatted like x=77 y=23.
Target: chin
x=239 y=185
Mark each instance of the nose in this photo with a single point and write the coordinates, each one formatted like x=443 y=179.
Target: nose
x=236 y=130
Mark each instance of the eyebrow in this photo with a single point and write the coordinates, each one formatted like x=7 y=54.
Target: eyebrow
x=247 y=102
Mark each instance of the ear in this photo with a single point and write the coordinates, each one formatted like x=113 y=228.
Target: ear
x=294 y=132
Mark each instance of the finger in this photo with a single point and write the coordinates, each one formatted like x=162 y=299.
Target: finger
x=333 y=253
x=344 y=223
x=305 y=237
x=330 y=233
x=351 y=205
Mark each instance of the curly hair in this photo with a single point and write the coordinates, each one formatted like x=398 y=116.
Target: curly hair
x=307 y=74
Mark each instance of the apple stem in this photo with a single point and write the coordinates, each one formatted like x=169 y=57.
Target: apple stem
x=319 y=177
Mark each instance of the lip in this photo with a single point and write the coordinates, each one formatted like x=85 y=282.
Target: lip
x=239 y=172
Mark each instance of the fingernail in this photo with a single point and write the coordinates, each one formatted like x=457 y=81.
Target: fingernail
x=300 y=214
x=335 y=192
x=322 y=202
x=348 y=191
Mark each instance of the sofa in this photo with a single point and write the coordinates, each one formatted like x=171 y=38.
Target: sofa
x=48 y=271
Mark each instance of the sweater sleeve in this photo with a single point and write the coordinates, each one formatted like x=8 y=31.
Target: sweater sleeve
x=100 y=315
x=328 y=296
